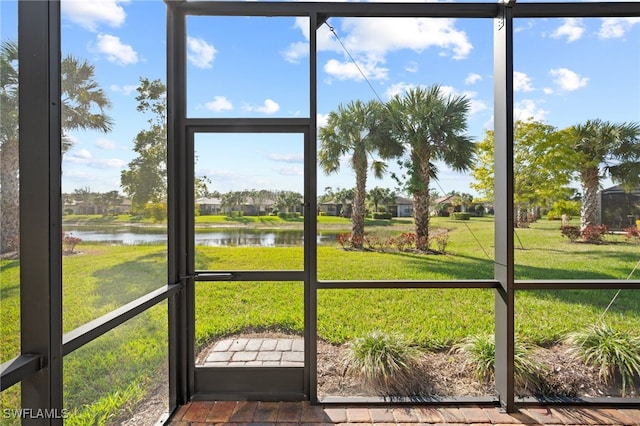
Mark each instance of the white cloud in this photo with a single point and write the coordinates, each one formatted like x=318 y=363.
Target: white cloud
x=90 y=14
x=200 y=53
x=398 y=89
x=125 y=90
x=268 y=107
x=472 y=78
x=83 y=157
x=369 y=40
x=411 y=67
x=366 y=67
x=103 y=143
x=521 y=82
x=382 y=35
x=568 y=80
x=82 y=154
x=616 y=27
x=219 y=103
x=115 y=50
x=287 y=158
x=296 y=51
x=476 y=106
x=290 y=171
x=527 y=109
x=322 y=119
x=572 y=29
x=548 y=91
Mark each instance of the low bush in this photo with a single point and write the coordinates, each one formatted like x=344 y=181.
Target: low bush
x=460 y=216
x=571 y=232
x=612 y=352
x=589 y=234
x=632 y=233
x=481 y=352
x=379 y=215
x=594 y=233
x=441 y=241
x=385 y=362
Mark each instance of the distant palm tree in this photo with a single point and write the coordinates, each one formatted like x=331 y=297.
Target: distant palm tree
x=604 y=148
x=433 y=125
x=83 y=107
x=362 y=131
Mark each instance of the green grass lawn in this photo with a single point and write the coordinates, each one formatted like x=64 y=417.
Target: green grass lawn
x=105 y=277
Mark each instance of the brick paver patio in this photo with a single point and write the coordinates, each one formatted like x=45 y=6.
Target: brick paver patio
x=290 y=352
x=271 y=413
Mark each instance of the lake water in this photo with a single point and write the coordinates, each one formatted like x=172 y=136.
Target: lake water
x=235 y=238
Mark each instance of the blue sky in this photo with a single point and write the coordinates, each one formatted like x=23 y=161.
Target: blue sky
x=566 y=71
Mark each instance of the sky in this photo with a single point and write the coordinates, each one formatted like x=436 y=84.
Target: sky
x=566 y=71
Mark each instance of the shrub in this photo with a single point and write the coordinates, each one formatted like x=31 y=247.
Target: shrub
x=571 y=232
x=379 y=215
x=610 y=351
x=344 y=240
x=481 y=352
x=441 y=241
x=385 y=362
x=405 y=241
x=594 y=233
x=69 y=242
x=460 y=216
x=632 y=233
x=560 y=207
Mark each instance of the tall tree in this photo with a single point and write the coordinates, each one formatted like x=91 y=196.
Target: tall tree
x=83 y=107
x=359 y=130
x=542 y=167
x=603 y=149
x=433 y=126
x=377 y=196
x=146 y=179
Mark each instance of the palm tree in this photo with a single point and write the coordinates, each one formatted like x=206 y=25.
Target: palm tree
x=615 y=148
x=83 y=107
x=361 y=130
x=379 y=196
x=433 y=126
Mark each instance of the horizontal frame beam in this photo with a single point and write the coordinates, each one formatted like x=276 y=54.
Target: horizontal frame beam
x=400 y=284
x=576 y=10
x=247 y=125
x=96 y=328
x=249 y=276
x=577 y=284
x=340 y=9
x=407 y=10
x=15 y=370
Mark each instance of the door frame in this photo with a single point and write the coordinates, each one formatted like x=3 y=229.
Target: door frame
x=252 y=383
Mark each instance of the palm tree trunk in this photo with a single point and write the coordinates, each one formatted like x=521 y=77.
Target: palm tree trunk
x=9 y=197
x=421 y=203
x=358 y=212
x=590 y=179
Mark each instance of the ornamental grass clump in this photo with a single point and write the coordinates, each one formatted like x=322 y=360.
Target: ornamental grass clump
x=611 y=351
x=481 y=353
x=385 y=362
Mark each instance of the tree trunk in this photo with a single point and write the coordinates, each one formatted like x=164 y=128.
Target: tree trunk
x=9 y=197
x=421 y=202
x=590 y=179
x=358 y=209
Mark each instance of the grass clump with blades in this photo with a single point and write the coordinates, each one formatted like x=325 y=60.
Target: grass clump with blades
x=481 y=352
x=386 y=362
x=610 y=351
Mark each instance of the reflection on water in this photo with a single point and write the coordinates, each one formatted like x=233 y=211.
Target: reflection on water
x=233 y=238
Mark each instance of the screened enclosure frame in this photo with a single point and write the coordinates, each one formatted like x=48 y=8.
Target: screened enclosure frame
x=43 y=344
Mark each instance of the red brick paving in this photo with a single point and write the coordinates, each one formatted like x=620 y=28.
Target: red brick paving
x=271 y=413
